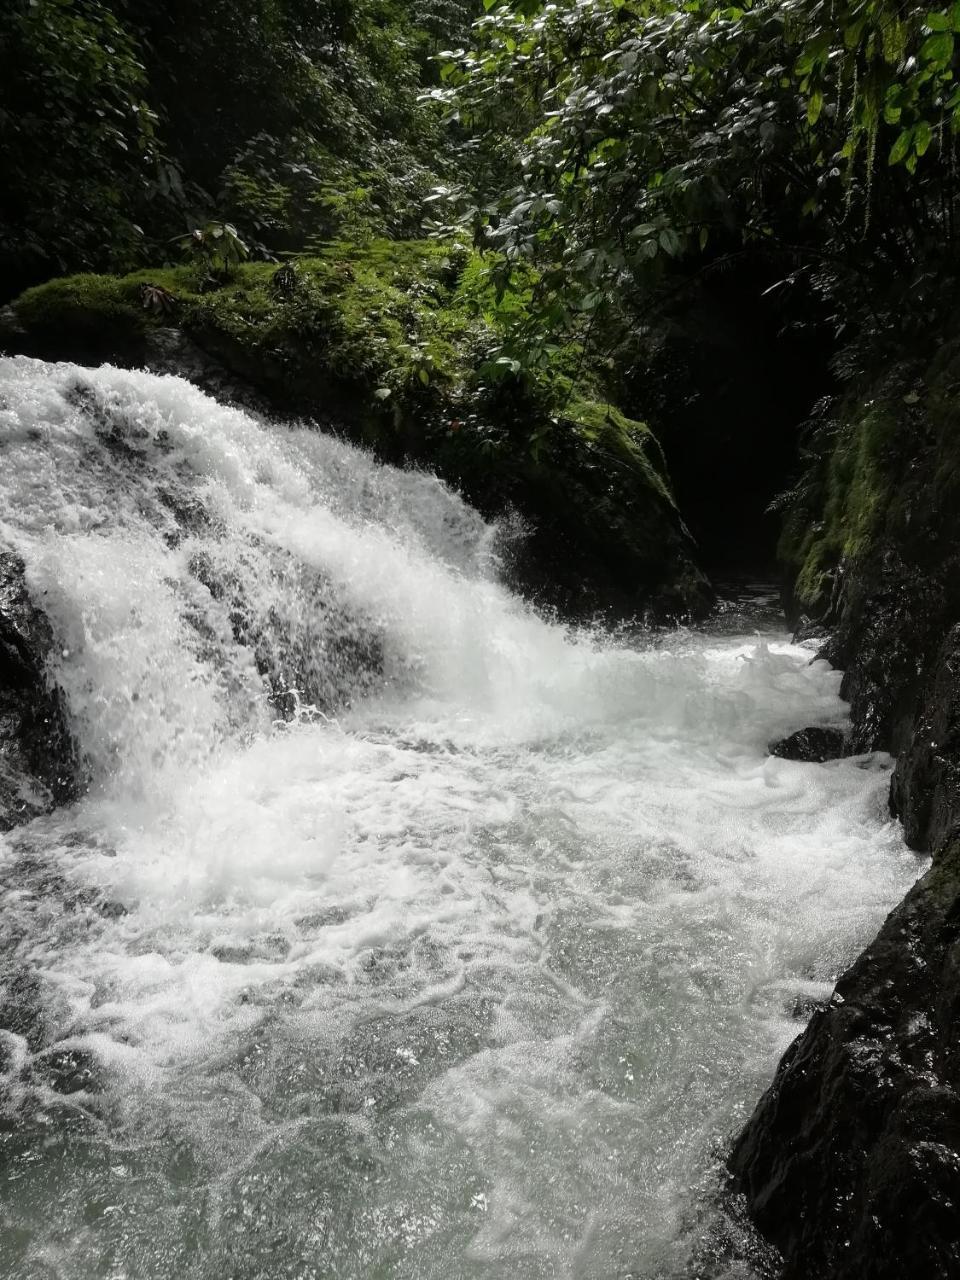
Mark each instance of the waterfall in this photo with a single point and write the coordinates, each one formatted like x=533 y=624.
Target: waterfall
x=399 y=930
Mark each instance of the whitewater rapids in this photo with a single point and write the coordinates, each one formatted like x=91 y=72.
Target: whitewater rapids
x=400 y=932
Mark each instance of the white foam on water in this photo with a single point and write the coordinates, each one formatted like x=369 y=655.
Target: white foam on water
x=470 y=970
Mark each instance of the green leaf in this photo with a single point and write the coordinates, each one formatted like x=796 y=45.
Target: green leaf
x=814 y=107
x=937 y=21
x=669 y=241
x=900 y=148
x=922 y=137
x=938 y=48
x=852 y=34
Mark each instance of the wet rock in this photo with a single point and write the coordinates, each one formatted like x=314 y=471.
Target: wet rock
x=23 y=1010
x=804 y=1006
x=112 y=910
x=851 y=1163
x=169 y=350
x=191 y=515
x=39 y=765
x=269 y=948
x=813 y=744
x=13 y=335
x=67 y=1071
x=895 y=611
x=925 y=792
x=127 y=440
x=810 y=629
x=315 y=659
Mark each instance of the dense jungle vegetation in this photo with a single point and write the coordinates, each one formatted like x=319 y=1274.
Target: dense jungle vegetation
x=125 y=124
x=711 y=217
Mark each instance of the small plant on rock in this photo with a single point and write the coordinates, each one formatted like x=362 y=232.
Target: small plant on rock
x=216 y=249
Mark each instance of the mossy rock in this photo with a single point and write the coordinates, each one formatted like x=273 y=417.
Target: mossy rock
x=396 y=343
x=856 y=495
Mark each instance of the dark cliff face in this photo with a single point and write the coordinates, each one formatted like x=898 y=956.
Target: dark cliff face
x=850 y=1164
x=926 y=783
x=38 y=763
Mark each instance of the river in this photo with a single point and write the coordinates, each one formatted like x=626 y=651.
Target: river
x=401 y=931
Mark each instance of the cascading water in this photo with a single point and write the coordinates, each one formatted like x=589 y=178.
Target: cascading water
x=399 y=932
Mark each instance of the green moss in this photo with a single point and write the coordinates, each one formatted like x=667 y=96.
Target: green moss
x=849 y=502
x=80 y=303
x=626 y=442
x=891 y=476
x=399 y=326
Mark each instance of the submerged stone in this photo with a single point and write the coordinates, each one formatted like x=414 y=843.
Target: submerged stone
x=814 y=744
x=67 y=1071
x=23 y=1011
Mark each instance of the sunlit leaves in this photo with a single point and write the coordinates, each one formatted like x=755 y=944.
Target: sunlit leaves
x=643 y=135
x=937 y=49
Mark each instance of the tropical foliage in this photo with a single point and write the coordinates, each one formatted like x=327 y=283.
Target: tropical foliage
x=78 y=135
x=125 y=123
x=646 y=139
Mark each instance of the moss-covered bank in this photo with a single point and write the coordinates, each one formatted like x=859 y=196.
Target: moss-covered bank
x=884 y=472
x=396 y=344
